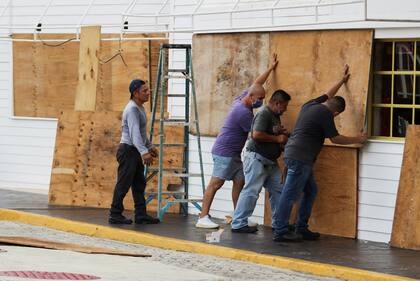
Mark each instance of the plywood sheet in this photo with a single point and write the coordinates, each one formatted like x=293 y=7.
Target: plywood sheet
x=45 y=77
x=406 y=227
x=84 y=166
x=90 y=41
x=224 y=66
x=335 y=208
x=56 y=245
x=311 y=62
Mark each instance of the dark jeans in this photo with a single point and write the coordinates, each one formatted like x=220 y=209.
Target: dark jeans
x=130 y=173
x=299 y=179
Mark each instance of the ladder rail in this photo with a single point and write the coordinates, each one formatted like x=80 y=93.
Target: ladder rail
x=161 y=136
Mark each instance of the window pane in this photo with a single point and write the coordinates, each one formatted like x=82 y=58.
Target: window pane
x=417 y=117
x=400 y=119
x=404 y=56
x=383 y=56
x=381 y=121
x=418 y=56
x=417 y=89
x=382 y=89
x=403 y=89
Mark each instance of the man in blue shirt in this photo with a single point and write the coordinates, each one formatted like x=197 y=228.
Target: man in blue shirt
x=134 y=151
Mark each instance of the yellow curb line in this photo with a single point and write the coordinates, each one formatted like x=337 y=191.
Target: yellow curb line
x=135 y=237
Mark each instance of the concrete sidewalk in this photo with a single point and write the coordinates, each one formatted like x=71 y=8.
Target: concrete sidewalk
x=331 y=256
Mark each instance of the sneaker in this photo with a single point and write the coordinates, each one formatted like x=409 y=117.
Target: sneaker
x=288 y=236
x=252 y=223
x=308 y=235
x=146 y=219
x=245 y=229
x=119 y=219
x=206 y=222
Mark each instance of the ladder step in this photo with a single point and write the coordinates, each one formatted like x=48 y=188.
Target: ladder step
x=180 y=175
x=177 y=70
x=153 y=169
x=185 y=200
x=177 y=77
x=176 y=96
x=175 y=46
x=172 y=144
x=166 y=193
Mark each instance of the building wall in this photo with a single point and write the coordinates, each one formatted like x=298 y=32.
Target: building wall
x=27 y=144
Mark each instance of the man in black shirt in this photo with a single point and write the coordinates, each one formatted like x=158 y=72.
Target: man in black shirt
x=260 y=161
x=315 y=123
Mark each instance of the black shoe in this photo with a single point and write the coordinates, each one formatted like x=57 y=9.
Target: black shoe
x=120 y=219
x=146 y=219
x=289 y=236
x=308 y=235
x=245 y=229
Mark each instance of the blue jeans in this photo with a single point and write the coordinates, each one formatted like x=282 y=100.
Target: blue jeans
x=299 y=179
x=259 y=171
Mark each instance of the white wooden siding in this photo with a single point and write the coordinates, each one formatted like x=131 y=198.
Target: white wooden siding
x=379 y=172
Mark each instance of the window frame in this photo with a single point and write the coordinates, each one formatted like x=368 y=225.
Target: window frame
x=371 y=105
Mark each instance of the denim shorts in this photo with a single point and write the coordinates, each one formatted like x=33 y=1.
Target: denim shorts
x=227 y=168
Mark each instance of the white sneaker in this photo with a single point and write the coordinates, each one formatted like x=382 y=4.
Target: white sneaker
x=206 y=222
x=252 y=223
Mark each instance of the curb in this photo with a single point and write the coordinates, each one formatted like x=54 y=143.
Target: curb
x=320 y=269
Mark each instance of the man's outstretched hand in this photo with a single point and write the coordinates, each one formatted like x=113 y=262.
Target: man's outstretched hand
x=346 y=74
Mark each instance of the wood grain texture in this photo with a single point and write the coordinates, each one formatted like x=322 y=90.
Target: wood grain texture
x=335 y=208
x=311 y=62
x=84 y=166
x=406 y=227
x=45 y=77
x=90 y=42
x=56 y=245
x=224 y=66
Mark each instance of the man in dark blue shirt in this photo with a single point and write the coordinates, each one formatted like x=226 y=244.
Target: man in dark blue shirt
x=315 y=123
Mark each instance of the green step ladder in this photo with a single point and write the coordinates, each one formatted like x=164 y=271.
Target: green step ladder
x=165 y=199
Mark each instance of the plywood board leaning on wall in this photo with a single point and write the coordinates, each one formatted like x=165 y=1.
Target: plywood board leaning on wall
x=335 y=208
x=311 y=62
x=224 y=66
x=406 y=227
x=84 y=166
x=47 y=76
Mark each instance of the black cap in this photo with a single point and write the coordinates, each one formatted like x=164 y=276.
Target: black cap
x=135 y=84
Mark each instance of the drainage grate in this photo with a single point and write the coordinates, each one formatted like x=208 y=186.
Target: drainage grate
x=49 y=275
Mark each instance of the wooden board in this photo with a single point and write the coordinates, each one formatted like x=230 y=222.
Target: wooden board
x=84 y=166
x=406 y=227
x=90 y=41
x=335 y=208
x=311 y=62
x=224 y=66
x=50 y=244
x=45 y=77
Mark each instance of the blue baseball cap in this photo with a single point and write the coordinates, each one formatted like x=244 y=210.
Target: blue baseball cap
x=135 y=84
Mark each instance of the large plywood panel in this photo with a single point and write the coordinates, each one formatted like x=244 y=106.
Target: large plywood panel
x=311 y=62
x=90 y=41
x=406 y=227
x=84 y=166
x=335 y=208
x=224 y=66
x=45 y=77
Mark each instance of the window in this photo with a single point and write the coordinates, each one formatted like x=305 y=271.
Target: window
x=395 y=92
